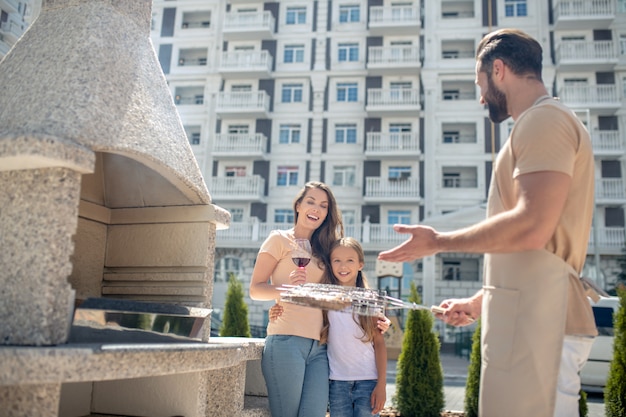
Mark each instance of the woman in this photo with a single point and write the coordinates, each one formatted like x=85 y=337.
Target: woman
x=294 y=362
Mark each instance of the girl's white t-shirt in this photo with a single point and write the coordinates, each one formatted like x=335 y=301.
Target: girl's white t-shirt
x=349 y=358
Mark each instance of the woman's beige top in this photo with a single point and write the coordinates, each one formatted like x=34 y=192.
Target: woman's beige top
x=296 y=320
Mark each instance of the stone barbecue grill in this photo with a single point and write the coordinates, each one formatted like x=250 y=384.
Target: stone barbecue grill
x=101 y=197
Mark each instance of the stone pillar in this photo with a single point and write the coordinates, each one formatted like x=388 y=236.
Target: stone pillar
x=38 y=216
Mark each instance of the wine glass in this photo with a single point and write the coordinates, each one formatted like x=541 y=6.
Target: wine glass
x=301 y=253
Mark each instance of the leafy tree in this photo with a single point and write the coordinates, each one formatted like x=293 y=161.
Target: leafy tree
x=235 y=322
x=472 y=385
x=419 y=381
x=621 y=277
x=615 y=390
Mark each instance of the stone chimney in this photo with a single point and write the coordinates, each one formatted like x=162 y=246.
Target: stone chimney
x=100 y=193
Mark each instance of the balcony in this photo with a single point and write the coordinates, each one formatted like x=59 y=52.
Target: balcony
x=610 y=191
x=606 y=240
x=583 y=14
x=249 y=188
x=248 y=26
x=397 y=190
x=196 y=20
x=245 y=64
x=607 y=142
x=243 y=104
x=238 y=145
x=457 y=9
x=4 y=47
x=396 y=144
x=194 y=57
x=591 y=96
x=11 y=30
x=393 y=59
x=394 y=20
x=587 y=55
x=396 y=102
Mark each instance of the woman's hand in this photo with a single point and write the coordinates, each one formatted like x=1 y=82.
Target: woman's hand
x=275 y=312
x=297 y=276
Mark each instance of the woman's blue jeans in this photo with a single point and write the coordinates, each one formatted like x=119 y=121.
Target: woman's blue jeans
x=296 y=374
x=351 y=398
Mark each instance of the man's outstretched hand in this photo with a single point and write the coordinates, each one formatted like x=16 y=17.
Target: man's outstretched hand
x=421 y=242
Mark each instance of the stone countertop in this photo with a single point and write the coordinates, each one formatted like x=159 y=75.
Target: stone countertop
x=88 y=361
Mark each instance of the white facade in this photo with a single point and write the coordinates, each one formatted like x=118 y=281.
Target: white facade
x=377 y=99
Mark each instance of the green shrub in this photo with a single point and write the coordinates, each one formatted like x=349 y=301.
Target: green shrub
x=419 y=381
x=472 y=385
x=235 y=323
x=615 y=390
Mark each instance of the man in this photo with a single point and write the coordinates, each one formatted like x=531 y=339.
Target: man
x=537 y=324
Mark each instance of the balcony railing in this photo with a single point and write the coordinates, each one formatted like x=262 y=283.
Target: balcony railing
x=607 y=141
x=393 y=55
x=388 y=188
x=237 y=188
x=590 y=95
x=460 y=183
x=609 y=240
x=584 y=8
x=585 y=51
x=610 y=189
x=236 y=144
x=403 y=142
x=243 y=102
x=244 y=61
x=250 y=23
x=381 y=15
x=393 y=97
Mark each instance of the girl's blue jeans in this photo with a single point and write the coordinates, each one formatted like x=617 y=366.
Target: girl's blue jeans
x=351 y=398
x=296 y=374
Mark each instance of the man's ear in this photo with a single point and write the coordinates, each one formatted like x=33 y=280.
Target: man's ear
x=498 y=68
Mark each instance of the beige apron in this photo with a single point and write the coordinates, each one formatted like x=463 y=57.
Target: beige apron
x=523 y=325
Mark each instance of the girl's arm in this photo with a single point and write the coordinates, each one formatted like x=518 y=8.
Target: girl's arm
x=379 y=395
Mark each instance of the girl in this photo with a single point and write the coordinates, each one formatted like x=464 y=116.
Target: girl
x=294 y=362
x=357 y=353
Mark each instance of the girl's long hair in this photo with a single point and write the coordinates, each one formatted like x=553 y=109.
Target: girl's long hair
x=367 y=323
x=331 y=228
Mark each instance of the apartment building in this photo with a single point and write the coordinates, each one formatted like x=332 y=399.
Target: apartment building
x=377 y=98
x=15 y=16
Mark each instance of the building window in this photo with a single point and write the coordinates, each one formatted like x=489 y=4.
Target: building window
x=399 y=217
x=225 y=266
x=289 y=133
x=294 y=53
x=348 y=52
x=515 y=8
x=235 y=171
x=292 y=93
x=345 y=133
x=344 y=176
x=347 y=92
x=399 y=173
x=238 y=129
x=236 y=214
x=287 y=175
x=296 y=16
x=195 y=138
x=349 y=13
x=283 y=216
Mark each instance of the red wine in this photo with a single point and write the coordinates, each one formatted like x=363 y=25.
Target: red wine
x=301 y=262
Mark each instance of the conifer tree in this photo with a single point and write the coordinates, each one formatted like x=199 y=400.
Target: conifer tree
x=419 y=381
x=472 y=385
x=615 y=390
x=235 y=323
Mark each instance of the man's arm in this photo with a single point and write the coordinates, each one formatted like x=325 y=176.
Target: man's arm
x=528 y=225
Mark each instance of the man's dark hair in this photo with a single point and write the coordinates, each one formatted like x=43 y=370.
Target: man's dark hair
x=519 y=51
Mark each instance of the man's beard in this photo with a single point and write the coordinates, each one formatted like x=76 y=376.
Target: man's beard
x=496 y=103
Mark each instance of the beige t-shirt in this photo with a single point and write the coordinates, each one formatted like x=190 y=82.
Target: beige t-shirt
x=296 y=320
x=549 y=137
